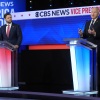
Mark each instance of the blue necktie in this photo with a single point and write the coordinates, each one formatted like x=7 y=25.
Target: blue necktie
x=91 y=26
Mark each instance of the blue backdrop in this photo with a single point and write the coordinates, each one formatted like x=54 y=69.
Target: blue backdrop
x=17 y=5
x=51 y=30
x=11 y=6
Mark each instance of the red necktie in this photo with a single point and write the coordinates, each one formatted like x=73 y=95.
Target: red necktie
x=8 y=30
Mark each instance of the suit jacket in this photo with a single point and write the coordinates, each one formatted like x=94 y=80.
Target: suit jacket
x=15 y=35
x=90 y=37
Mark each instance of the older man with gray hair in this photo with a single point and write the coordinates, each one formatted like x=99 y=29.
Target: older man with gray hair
x=92 y=33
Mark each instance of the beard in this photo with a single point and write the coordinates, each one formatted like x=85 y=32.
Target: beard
x=9 y=22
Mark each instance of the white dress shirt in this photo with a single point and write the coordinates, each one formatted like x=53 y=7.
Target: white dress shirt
x=93 y=22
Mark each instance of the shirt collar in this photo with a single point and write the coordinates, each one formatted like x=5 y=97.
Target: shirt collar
x=8 y=24
x=94 y=19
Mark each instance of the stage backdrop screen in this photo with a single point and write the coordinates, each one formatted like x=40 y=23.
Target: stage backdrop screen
x=11 y=6
x=51 y=26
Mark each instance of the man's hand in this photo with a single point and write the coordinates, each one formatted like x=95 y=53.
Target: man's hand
x=92 y=32
x=80 y=32
x=16 y=46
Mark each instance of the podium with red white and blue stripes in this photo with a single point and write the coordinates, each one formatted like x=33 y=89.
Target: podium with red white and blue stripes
x=8 y=66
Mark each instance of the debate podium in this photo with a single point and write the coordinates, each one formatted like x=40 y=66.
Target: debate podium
x=8 y=67
x=84 y=66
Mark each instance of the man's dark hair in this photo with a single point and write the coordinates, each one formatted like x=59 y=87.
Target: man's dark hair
x=5 y=15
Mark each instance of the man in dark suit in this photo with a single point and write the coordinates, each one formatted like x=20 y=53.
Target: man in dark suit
x=92 y=28
x=11 y=32
x=92 y=33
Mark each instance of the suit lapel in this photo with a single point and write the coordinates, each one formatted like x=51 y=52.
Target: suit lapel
x=96 y=22
x=88 y=24
x=4 y=30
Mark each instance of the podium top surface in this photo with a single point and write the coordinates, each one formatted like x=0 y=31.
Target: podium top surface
x=79 y=41
x=5 y=44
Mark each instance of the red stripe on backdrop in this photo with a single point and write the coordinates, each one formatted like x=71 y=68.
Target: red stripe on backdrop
x=48 y=47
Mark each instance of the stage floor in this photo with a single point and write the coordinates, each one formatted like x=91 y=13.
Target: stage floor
x=4 y=98
x=23 y=95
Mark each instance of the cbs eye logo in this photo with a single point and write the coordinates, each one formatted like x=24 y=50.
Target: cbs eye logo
x=42 y=14
x=37 y=14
